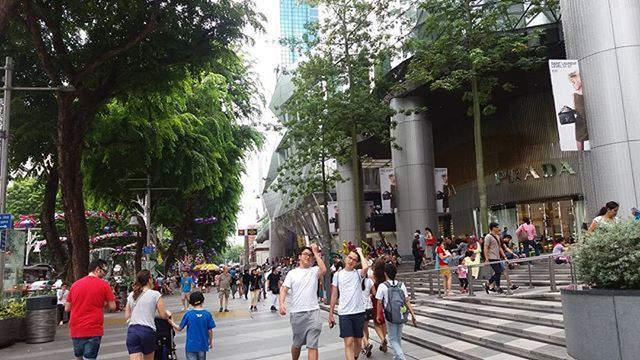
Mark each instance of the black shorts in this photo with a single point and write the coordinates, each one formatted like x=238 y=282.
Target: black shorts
x=352 y=325
x=368 y=314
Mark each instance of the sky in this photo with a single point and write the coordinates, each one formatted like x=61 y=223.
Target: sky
x=264 y=57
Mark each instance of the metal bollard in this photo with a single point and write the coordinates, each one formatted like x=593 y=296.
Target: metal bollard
x=530 y=279
x=470 y=278
x=552 y=274
x=439 y=287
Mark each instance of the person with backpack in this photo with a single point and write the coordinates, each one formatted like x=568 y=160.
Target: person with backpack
x=526 y=235
x=396 y=303
x=347 y=285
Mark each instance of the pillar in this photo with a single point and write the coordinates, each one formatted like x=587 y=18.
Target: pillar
x=413 y=165
x=346 y=204
x=604 y=36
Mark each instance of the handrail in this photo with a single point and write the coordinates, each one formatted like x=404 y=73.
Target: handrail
x=550 y=257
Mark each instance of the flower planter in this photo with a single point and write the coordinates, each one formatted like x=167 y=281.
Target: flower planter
x=601 y=324
x=8 y=334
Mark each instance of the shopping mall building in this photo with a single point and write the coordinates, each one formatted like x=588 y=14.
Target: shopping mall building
x=527 y=172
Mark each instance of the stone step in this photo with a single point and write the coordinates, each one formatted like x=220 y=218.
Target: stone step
x=540 y=333
x=524 y=304
x=533 y=317
x=514 y=345
x=458 y=349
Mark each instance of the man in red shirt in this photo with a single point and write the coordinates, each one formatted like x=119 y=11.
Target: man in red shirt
x=86 y=301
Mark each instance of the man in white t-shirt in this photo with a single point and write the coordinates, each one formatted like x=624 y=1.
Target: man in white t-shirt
x=305 y=311
x=348 y=284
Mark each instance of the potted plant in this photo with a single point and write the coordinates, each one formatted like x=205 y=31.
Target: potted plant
x=601 y=316
x=12 y=313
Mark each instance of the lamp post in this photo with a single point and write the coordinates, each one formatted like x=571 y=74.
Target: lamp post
x=4 y=136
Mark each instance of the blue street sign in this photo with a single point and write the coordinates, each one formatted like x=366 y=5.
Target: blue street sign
x=148 y=250
x=6 y=221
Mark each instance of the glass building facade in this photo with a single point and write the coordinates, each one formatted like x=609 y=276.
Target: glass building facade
x=293 y=18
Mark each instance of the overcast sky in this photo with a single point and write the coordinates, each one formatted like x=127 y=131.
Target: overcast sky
x=264 y=56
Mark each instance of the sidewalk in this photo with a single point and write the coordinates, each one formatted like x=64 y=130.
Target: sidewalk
x=239 y=335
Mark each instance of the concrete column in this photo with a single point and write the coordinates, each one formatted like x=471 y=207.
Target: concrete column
x=604 y=36
x=346 y=204
x=413 y=164
x=278 y=240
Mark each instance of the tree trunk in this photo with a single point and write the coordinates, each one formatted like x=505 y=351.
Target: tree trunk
x=6 y=12
x=140 y=243
x=47 y=220
x=73 y=125
x=477 y=133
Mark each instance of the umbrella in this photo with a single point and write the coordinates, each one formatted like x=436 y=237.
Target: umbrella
x=205 y=267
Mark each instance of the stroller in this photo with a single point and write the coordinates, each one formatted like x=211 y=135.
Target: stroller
x=165 y=345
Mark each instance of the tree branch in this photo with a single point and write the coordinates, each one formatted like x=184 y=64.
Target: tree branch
x=41 y=49
x=58 y=42
x=152 y=23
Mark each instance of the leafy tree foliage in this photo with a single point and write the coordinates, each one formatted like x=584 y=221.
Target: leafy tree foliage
x=107 y=48
x=334 y=103
x=24 y=197
x=465 y=45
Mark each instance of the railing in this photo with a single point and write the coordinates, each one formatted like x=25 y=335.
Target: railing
x=430 y=273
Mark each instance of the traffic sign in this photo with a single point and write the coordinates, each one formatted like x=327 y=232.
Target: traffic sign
x=6 y=221
x=148 y=250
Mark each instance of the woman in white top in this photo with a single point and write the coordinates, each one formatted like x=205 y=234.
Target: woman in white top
x=606 y=216
x=367 y=285
x=140 y=312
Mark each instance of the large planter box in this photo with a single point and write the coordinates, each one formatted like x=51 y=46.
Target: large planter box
x=601 y=324
x=8 y=333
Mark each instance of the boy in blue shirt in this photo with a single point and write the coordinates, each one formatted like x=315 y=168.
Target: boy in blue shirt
x=199 y=324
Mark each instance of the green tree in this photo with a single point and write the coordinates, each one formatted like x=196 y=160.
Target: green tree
x=230 y=254
x=24 y=197
x=335 y=102
x=105 y=48
x=466 y=45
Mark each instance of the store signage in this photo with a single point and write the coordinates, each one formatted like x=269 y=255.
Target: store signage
x=543 y=171
x=252 y=232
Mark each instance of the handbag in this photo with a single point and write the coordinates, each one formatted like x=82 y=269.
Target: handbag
x=567 y=115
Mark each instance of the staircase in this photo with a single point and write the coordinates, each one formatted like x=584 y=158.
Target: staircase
x=525 y=325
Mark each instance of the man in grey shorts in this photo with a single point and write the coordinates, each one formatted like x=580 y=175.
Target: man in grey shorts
x=305 y=312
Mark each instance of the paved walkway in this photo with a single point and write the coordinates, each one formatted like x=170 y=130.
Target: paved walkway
x=239 y=335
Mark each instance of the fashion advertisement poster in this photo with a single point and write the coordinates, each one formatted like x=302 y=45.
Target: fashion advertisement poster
x=444 y=190
x=333 y=216
x=569 y=105
x=388 y=190
x=369 y=211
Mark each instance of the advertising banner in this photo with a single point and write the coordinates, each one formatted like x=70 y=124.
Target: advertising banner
x=569 y=105
x=443 y=190
x=333 y=216
x=388 y=190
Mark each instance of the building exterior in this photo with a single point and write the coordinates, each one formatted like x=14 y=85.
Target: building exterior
x=294 y=16
x=527 y=174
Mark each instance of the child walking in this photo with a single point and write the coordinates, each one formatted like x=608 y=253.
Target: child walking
x=199 y=324
x=462 y=276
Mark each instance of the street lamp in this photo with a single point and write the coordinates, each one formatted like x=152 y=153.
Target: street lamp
x=4 y=136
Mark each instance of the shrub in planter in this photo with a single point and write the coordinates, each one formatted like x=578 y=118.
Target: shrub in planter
x=609 y=258
x=12 y=311
x=601 y=317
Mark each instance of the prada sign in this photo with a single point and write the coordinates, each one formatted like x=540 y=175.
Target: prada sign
x=544 y=171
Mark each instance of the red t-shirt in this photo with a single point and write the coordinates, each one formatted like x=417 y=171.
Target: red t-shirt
x=87 y=297
x=431 y=240
x=440 y=250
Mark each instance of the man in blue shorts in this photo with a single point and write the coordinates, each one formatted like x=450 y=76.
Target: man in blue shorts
x=186 y=284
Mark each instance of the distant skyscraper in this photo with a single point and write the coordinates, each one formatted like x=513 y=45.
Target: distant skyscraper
x=293 y=17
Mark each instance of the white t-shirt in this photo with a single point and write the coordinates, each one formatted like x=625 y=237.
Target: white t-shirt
x=349 y=283
x=381 y=294
x=304 y=289
x=366 y=293
x=143 y=310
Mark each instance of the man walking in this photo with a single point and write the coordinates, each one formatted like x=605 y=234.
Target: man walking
x=274 y=286
x=348 y=283
x=305 y=311
x=224 y=288
x=86 y=300
x=186 y=285
x=493 y=253
x=416 y=252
